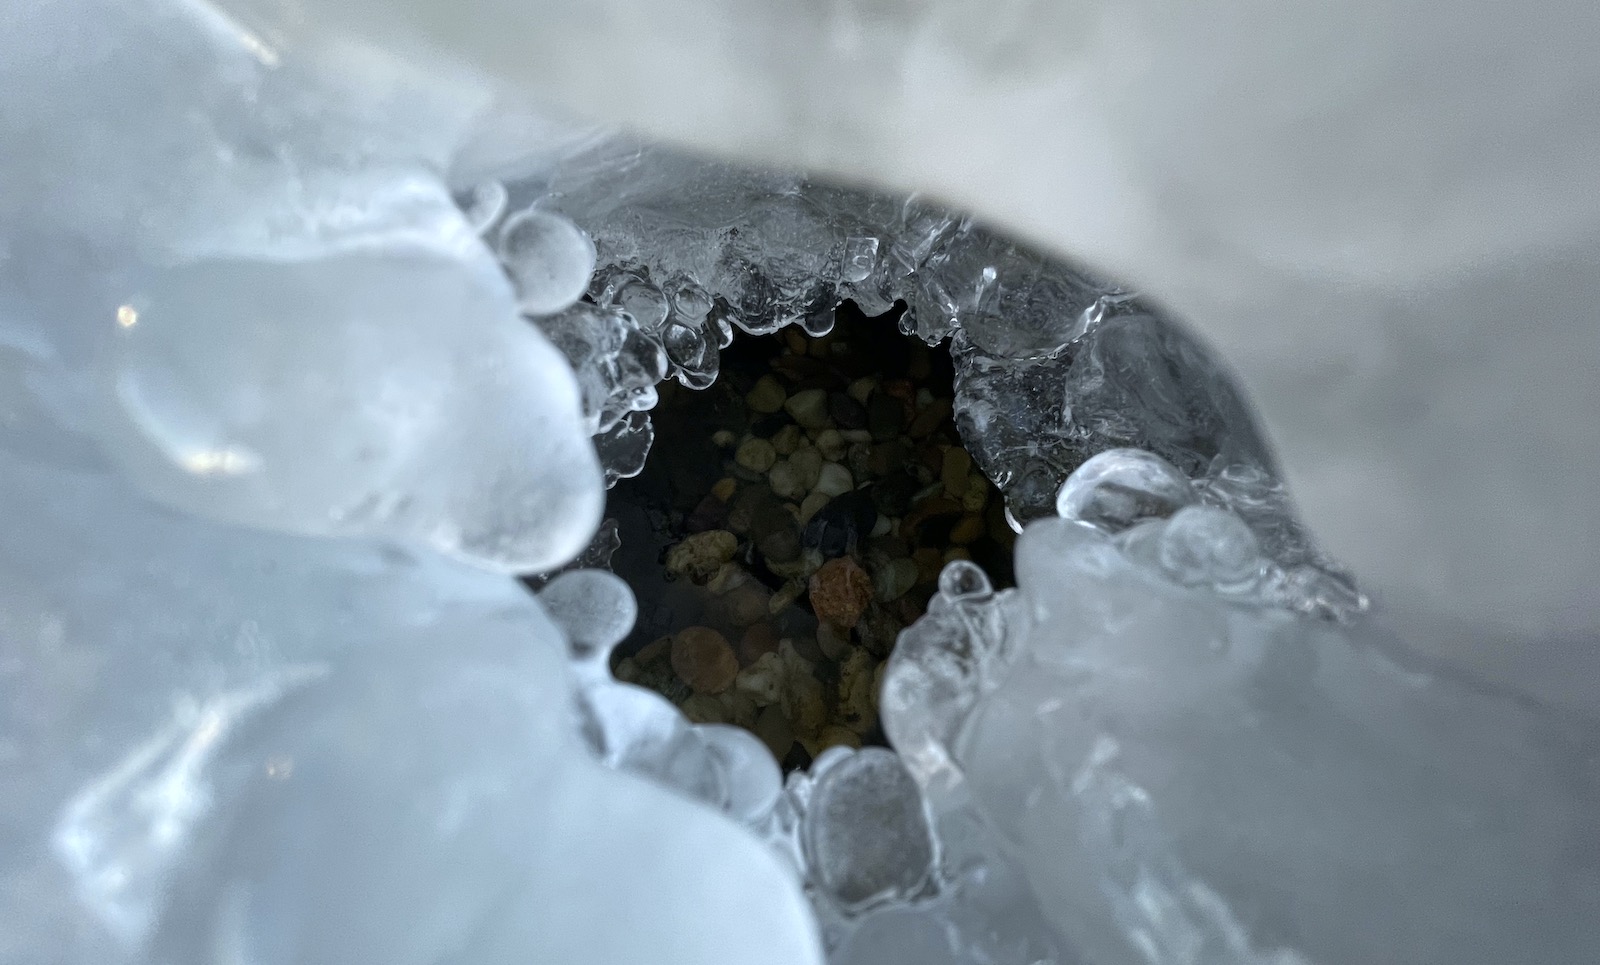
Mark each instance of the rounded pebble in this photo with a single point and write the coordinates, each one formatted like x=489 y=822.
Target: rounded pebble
x=703 y=659
x=831 y=444
x=784 y=478
x=767 y=396
x=809 y=408
x=756 y=455
x=840 y=592
x=834 y=480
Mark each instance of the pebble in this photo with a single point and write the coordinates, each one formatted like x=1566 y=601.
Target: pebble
x=832 y=641
x=956 y=553
x=762 y=681
x=728 y=577
x=809 y=408
x=725 y=488
x=744 y=605
x=953 y=471
x=883 y=527
x=831 y=444
x=780 y=546
x=786 y=440
x=704 y=709
x=810 y=505
x=856 y=436
x=711 y=513
x=703 y=659
x=929 y=563
x=739 y=707
x=784 y=479
x=892 y=580
x=775 y=731
x=834 y=480
x=847 y=413
x=760 y=638
x=885 y=417
x=840 y=592
x=790 y=591
x=861 y=389
x=723 y=439
x=756 y=455
x=977 y=495
x=766 y=396
x=857 y=695
x=807 y=464
x=700 y=556
x=967 y=530
x=796 y=340
x=929 y=419
x=835 y=736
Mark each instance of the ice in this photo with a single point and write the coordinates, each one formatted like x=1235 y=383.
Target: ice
x=278 y=426
x=1119 y=487
x=865 y=833
x=549 y=259
x=1190 y=774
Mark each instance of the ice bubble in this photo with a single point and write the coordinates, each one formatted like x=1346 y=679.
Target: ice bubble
x=866 y=833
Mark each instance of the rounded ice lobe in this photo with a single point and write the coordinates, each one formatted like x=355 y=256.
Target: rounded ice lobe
x=964 y=580
x=866 y=833
x=753 y=778
x=1120 y=487
x=594 y=608
x=550 y=260
x=1206 y=546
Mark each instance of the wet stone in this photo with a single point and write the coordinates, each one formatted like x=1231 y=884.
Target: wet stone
x=756 y=455
x=767 y=396
x=703 y=659
x=847 y=413
x=809 y=408
x=698 y=557
x=840 y=592
x=885 y=417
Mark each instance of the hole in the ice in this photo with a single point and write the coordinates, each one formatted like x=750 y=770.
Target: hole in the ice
x=790 y=520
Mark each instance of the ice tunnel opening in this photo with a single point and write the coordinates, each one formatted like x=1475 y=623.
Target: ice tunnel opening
x=791 y=519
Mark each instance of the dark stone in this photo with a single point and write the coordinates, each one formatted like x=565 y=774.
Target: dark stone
x=780 y=545
x=885 y=417
x=838 y=527
x=847 y=412
x=710 y=514
x=892 y=494
x=768 y=425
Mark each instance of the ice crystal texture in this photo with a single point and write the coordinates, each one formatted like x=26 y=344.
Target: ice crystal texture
x=308 y=351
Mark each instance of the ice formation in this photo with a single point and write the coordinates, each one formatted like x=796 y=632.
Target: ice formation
x=293 y=387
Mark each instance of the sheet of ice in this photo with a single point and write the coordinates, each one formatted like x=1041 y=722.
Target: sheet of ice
x=1189 y=773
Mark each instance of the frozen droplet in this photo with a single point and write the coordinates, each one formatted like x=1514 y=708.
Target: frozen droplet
x=549 y=258
x=866 y=834
x=1120 y=487
x=964 y=580
x=644 y=301
x=860 y=258
x=690 y=300
x=752 y=776
x=1202 y=545
x=595 y=610
x=484 y=205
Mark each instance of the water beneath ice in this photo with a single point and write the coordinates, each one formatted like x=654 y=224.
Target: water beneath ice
x=282 y=419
